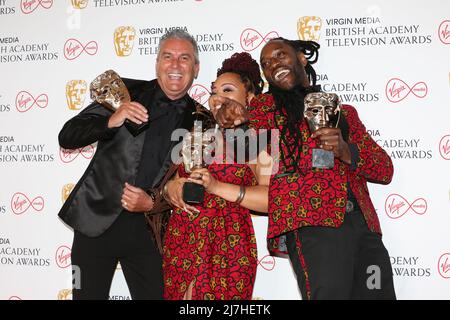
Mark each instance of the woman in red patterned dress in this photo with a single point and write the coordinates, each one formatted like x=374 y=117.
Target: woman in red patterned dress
x=210 y=249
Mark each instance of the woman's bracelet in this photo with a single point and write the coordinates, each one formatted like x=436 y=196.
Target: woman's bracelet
x=241 y=195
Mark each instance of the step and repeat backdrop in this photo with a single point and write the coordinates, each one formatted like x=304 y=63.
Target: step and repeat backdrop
x=390 y=59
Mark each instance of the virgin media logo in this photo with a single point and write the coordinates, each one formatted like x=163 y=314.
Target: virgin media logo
x=444 y=147
x=199 y=93
x=21 y=203
x=396 y=206
x=397 y=90
x=69 y=155
x=28 y=6
x=444 y=32
x=252 y=39
x=74 y=48
x=62 y=257
x=25 y=101
x=267 y=263
x=444 y=266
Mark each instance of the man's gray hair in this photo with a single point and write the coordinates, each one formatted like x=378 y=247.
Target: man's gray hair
x=179 y=34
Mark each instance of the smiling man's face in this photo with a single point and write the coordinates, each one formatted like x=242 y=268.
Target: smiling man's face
x=176 y=67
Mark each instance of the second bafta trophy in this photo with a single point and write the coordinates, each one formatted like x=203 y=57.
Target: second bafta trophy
x=322 y=110
x=109 y=90
x=197 y=152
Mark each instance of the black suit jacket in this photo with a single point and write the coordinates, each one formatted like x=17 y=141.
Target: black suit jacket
x=95 y=201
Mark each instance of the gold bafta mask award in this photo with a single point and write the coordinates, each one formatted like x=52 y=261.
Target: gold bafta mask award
x=197 y=152
x=322 y=110
x=109 y=90
x=124 y=40
x=75 y=94
x=308 y=28
x=79 y=4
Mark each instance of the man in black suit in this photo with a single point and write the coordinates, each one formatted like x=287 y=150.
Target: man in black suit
x=106 y=207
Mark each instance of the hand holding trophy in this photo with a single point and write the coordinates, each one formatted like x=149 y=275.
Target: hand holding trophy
x=322 y=110
x=197 y=151
x=109 y=90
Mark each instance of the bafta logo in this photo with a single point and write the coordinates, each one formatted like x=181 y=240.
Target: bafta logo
x=79 y=4
x=308 y=28
x=65 y=294
x=66 y=190
x=124 y=40
x=75 y=94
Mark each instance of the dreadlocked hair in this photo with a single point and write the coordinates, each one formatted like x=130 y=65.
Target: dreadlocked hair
x=290 y=103
x=247 y=68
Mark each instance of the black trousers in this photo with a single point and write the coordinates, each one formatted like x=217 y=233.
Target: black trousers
x=349 y=262
x=128 y=241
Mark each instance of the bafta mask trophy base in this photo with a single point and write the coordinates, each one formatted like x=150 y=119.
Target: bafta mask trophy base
x=197 y=147
x=322 y=110
x=109 y=90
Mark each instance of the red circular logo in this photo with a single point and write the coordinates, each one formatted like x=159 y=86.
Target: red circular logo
x=444 y=147
x=28 y=6
x=397 y=206
x=397 y=90
x=74 y=48
x=252 y=39
x=69 y=155
x=199 y=93
x=444 y=32
x=62 y=256
x=267 y=262
x=444 y=266
x=25 y=101
x=21 y=203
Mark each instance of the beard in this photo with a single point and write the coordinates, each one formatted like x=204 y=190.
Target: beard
x=290 y=104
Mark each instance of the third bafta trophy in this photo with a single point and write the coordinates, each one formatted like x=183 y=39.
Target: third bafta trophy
x=197 y=152
x=109 y=90
x=322 y=110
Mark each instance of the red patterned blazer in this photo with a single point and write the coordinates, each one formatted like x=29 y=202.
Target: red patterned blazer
x=317 y=197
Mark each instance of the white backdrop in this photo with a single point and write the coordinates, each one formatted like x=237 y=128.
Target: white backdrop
x=388 y=59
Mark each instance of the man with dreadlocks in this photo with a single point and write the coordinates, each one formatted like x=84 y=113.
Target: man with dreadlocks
x=323 y=218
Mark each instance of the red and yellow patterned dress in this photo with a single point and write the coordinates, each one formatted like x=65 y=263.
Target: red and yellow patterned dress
x=214 y=249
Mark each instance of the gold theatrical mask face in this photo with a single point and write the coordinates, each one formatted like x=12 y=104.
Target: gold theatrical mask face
x=124 y=40
x=79 y=4
x=322 y=110
x=308 y=28
x=109 y=90
x=75 y=94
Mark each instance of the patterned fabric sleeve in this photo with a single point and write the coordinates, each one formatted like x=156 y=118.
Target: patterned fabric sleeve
x=373 y=162
x=261 y=112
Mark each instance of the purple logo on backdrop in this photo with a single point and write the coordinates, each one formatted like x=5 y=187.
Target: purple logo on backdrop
x=396 y=206
x=69 y=155
x=74 y=48
x=397 y=90
x=62 y=256
x=28 y=6
x=25 y=101
x=21 y=203
x=252 y=39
